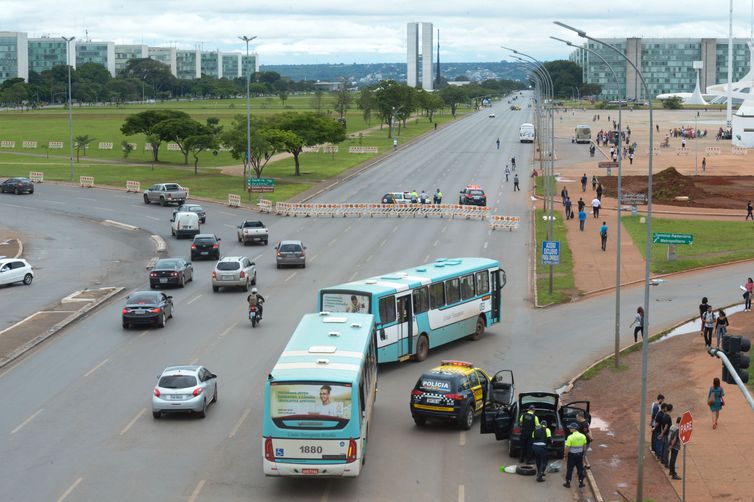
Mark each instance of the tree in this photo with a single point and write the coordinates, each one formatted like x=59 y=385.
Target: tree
x=200 y=143
x=145 y=122
x=152 y=72
x=179 y=131
x=81 y=143
x=15 y=94
x=430 y=102
x=307 y=129
x=93 y=73
x=127 y=148
x=265 y=142
x=590 y=90
x=121 y=90
x=342 y=98
x=452 y=96
x=389 y=99
x=317 y=101
x=367 y=103
x=672 y=103
x=565 y=76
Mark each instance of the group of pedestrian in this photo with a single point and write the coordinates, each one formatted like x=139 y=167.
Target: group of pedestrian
x=423 y=197
x=715 y=323
x=666 y=441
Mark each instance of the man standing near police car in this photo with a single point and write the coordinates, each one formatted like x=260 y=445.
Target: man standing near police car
x=528 y=422
x=540 y=440
x=574 y=450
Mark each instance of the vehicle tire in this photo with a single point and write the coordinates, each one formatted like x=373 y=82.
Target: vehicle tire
x=125 y=326
x=422 y=349
x=419 y=421
x=203 y=412
x=163 y=202
x=172 y=311
x=28 y=278
x=466 y=420
x=156 y=415
x=183 y=281
x=265 y=243
x=214 y=397
x=512 y=452
x=163 y=320
x=477 y=334
x=254 y=280
x=278 y=265
x=146 y=199
x=245 y=243
x=526 y=470
x=253 y=322
x=364 y=447
x=17 y=191
x=152 y=286
x=303 y=265
x=215 y=289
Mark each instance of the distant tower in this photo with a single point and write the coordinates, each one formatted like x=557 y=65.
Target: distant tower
x=437 y=79
x=413 y=70
x=412 y=58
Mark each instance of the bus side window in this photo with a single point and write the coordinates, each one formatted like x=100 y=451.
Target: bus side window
x=387 y=309
x=362 y=396
x=421 y=300
x=452 y=291
x=437 y=295
x=482 y=282
x=467 y=287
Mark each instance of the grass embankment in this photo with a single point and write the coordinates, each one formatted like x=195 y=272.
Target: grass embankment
x=715 y=242
x=563 y=281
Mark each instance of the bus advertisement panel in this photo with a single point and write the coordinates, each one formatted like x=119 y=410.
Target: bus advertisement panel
x=305 y=405
x=345 y=302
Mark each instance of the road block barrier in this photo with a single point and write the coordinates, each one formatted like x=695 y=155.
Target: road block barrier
x=310 y=149
x=681 y=151
x=234 y=200
x=55 y=145
x=7 y=144
x=173 y=147
x=105 y=145
x=363 y=149
x=86 y=181
x=133 y=186
x=36 y=176
x=188 y=192
x=344 y=210
x=499 y=221
x=330 y=149
x=739 y=150
x=29 y=144
x=712 y=150
x=265 y=206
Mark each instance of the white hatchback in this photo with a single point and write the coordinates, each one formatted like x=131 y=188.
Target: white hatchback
x=14 y=270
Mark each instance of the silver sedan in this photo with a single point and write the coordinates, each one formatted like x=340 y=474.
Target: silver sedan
x=184 y=389
x=290 y=253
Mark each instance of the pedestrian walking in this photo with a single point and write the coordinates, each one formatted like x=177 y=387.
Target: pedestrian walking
x=599 y=191
x=515 y=183
x=528 y=422
x=507 y=172
x=603 y=235
x=541 y=438
x=581 y=204
x=715 y=401
x=683 y=143
x=564 y=195
x=749 y=209
x=721 y=326
x=584 y=180
x=596 y=204
x=395 y=144
x=639 y=323
x=703 y=310
x=594 y=182
x=674 y=439
x=748 y=291
x=709 y=326
x=704 y=164
x=568 y=211
x=574 y=450
x=498 y=143
x=631 y=158
x=582 y=219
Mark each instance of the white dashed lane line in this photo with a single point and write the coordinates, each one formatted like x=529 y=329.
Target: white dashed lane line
x=88 y=373
x=25 y=422
x=193 y=299
x=132 y=421
x=239 y=423
x=197 y=490
x=290 y=276
x=70 y=490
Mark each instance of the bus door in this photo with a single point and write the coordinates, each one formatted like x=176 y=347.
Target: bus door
x=405 y=318
x=498 y=281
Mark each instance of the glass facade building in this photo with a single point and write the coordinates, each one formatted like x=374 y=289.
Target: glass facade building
x=44 y=53
x=125 y=53
x=96 y=52
x=211 y=65
x=188 y=64
x=231 y=65
x=14 y=55
x=166 y=56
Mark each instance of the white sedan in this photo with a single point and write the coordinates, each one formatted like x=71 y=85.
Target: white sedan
x=15 y=270
x=492 y=115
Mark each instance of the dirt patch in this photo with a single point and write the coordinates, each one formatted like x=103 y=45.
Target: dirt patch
x=720 y=192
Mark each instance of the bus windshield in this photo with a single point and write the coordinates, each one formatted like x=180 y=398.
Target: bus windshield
x=355 y=303
x=310 y=405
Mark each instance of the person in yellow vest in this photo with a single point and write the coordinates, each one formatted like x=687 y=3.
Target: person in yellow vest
x=528 y=422
x=540 y=438
x=574 y=450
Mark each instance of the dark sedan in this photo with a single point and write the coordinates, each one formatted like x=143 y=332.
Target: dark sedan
x=17 y=186
x=192 y=208
x=171 y=272
x=147 y=308
x=205 y=246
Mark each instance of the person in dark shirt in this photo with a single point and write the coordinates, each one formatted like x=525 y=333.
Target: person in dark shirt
x=703 y=310
x=656 y=431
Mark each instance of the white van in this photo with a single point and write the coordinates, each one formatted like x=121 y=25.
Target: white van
x=184 y=225
x=583 y=134
x=526 y=133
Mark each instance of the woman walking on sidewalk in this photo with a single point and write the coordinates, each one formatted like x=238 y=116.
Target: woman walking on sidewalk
x=715 y=400
x=721 y=326
x=709 y=325
x=639 y=322
x=748 y=291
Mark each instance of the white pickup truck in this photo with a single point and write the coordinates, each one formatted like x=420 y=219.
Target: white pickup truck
x=253 y=231
x=165 y=193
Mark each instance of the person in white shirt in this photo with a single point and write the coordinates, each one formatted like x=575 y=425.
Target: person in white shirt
x=596 y=204
x=327 y=407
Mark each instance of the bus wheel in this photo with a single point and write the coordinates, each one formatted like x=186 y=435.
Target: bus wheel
x=479 y=329
x=422 y=349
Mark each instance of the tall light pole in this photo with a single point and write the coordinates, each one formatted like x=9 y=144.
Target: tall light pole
x=648 y=258
x=616 y=355
x=70 y=107
x=248 y=109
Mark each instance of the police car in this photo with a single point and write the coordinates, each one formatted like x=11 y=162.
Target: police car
x=472 y=195
x=453 y=392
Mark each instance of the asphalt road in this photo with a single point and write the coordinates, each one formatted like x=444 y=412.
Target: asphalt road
x=76 y=421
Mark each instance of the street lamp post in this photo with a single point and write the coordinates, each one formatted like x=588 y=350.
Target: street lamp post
x=648 y=258
x=70 y=107
x=616 y=356
x=248 y=110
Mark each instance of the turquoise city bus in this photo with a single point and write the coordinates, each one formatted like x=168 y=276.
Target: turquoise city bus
x=423 y=307
x=318 y=398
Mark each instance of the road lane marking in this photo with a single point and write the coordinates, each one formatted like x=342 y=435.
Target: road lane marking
x=96 y=367
x=426 y=259
x=353 y=276
x=394 y=229
x=196 y=491
x=383 y=242
x=444 y=228
x=258 y=256
x=40 y=410
x=435 y=244
x=369 y=258
x=238 y=424
x=313 y=258
x=150 y=217
x=99 y=208
x=347 y=229
x=56 y=201
x=70 y=489
x=118 y=224
x=461 y=494
x=229 y=226
x=290 y=276
x=228 y=330
x=497 y=201
x=489 y=231
x=193 y=299
x=133 y=421
x=462 y=439
x=143 y=333
x=194 y=361
x=332 y=242
x=485 y=245
x=85 y=198
x=326 y=494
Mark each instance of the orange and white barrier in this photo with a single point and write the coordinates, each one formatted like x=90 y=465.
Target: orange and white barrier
x=363 y=149
x=265 y=206
x=36 y=176
x=29 y=144
x=133 y=186
x=739 y=150
x=105 y=145
x=681 y=151
x=499 y=221
x=234 y=200
x=7 y=144
x=55 y=145
x=86 y=181
x=712 y=150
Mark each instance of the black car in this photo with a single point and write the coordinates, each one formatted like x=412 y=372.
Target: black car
x=171 y=272
x=472 y=195
x=205 y=246
x=17 y=186
x=192 y=208
x=147 y=308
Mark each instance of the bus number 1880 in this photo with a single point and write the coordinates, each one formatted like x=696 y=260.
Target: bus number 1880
x=310 y=449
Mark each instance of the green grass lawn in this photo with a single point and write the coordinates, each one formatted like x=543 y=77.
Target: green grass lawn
x=715 y=242
x=563 y=282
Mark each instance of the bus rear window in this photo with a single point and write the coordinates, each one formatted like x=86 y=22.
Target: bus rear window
x=310 y=406
x=345 y=302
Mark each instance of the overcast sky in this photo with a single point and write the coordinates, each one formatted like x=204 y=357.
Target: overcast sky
x=363 y=31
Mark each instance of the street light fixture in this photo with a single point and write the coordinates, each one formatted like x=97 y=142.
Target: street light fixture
x=248 y=110
x=70 y=107
x=648 y=258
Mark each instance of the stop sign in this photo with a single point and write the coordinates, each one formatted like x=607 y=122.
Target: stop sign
x=685 y=427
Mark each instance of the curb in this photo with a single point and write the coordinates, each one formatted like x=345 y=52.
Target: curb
x=20 y=248
x=57 y=327
x=159 y=243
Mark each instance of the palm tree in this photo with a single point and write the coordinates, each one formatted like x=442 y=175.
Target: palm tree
x=80 y=142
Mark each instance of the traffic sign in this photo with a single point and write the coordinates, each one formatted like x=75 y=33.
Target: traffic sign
x=550 y=253
x=685 y=427
x=607 y=165
x=672 y=238
x=261 y=184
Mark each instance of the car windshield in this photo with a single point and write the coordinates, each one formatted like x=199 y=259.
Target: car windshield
x=205 y=240
x=167 y=265
x=177 y=381
x=290 y=248
x=228 y=265
x=144 y=299
x=476 y=192
x=544 y=400
x=193 y=209
x=253 y=224
x=435 y=383
x=172 y=186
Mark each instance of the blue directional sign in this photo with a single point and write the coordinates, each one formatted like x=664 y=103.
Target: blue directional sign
x=550 y=253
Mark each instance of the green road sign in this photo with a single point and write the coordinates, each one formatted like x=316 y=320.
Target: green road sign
x=671 y=238
x=261 y=184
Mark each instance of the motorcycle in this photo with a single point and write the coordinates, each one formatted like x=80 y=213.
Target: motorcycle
x=254 y=316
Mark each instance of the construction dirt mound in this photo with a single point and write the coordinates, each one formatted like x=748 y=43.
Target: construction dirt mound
x=722 y=192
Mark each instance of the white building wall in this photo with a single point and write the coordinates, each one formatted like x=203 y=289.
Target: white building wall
x=412 y=57
x=22 y=47
x=427 y=59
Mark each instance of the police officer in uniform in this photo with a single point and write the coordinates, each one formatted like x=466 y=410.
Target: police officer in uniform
x=540 y=440
x=438 y=194
x=528 y=422
x=574 y=449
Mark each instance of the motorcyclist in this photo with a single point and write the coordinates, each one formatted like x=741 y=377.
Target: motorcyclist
x=255 y=300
